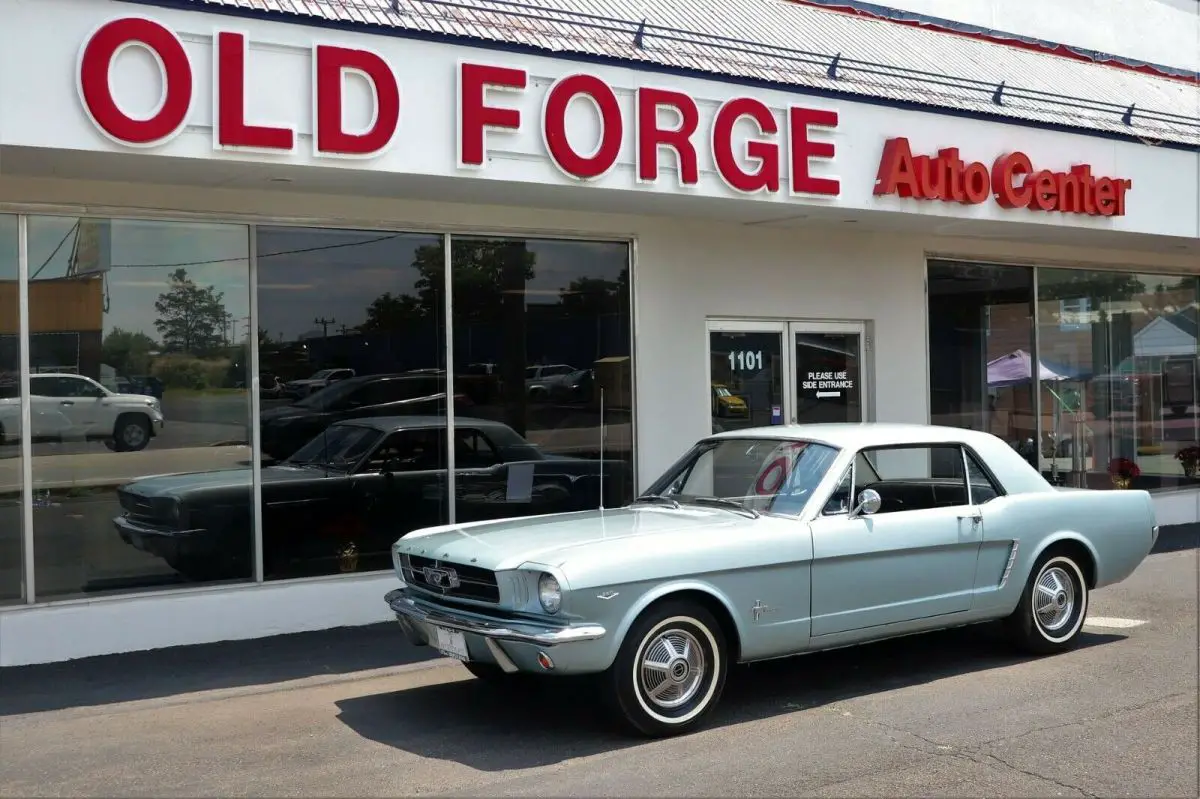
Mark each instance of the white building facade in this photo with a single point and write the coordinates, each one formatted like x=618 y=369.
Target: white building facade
x=356 y=270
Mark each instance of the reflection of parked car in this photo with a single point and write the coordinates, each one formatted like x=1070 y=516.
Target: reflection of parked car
x=366 y=481
x=541 y=381
x=66 y=407
x=319 y=380
x=726 y=403
x=269 y=386
x=285 y=429
x=766 y=543
x=148 y=384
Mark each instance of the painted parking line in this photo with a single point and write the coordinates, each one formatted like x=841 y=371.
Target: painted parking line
x=1112 y=622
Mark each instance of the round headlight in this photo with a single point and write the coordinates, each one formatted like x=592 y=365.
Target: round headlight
x=549 y=593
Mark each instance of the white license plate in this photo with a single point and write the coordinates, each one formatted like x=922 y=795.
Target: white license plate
x=450 y=643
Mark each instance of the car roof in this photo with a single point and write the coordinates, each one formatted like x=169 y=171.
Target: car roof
x=392 y=424
x=855 y=435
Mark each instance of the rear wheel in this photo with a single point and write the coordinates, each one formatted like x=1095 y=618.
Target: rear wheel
x=670 y=670
x=1053 y=606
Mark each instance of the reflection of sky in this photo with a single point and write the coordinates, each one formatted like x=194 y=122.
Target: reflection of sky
x=309 y=273
x=142 y=256
x=304 y=273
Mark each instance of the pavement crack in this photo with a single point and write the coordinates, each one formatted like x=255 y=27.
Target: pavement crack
x=993 y=759
x=1076 y=722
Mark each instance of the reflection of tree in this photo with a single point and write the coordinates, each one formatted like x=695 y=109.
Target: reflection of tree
x=484 y=273
x=390 y=311
x=191 y=319
x=1072 y=285
x=127 y=351
x=594 y=296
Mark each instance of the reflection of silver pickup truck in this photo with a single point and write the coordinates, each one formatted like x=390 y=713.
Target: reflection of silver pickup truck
x=68 y=407
x=326 y=377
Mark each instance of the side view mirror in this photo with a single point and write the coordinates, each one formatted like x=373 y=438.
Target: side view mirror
x=869 y=502
x=390 y=465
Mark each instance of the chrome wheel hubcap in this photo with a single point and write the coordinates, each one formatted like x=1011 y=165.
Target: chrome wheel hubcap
x=672 y=668
x=1054 y=599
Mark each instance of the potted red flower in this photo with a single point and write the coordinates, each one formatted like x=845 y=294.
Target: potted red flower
x=1122 y=471
x=1189 y=457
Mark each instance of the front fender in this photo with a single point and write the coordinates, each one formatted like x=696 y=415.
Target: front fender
x=660 y=591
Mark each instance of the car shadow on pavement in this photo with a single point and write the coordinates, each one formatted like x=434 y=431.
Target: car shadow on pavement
x=134 y=676
x=535 y=723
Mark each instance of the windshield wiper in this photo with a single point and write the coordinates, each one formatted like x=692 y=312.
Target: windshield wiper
x=726 y=503
x=674 y=503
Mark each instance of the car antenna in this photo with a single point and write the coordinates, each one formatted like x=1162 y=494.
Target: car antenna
x=601 y=448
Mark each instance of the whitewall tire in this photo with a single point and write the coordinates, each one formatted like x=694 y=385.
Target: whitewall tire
x=670 y=671
x=1053 y=606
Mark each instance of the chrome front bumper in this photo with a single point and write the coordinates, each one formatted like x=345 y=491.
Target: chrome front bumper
x=411 y=609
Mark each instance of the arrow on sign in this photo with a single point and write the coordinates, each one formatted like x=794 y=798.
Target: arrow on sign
x=829 y=394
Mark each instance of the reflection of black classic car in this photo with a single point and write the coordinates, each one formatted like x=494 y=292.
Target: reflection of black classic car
x=285 y=429
x=365 y=482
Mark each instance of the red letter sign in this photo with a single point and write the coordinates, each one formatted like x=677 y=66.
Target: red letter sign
x=554 y=126
x=802 y=148
x=330 y=65
x=767 y=152
x=896 y=170
x=1004 y=170
x=232 y=130
x=650 y=136
x=95 y=62
x=474 y=116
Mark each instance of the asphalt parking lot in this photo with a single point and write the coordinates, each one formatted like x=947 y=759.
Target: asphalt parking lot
x=358 y=713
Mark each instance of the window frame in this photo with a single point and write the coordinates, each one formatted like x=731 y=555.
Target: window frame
x=966 y=454
x=447 y=232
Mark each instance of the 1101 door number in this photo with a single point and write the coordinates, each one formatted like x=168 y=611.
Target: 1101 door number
x=745 y=359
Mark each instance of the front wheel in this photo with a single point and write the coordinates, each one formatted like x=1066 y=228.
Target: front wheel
x=132 y=433
x=670 y=670
x=1053 y=606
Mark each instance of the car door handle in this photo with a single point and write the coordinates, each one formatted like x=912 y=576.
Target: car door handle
x=67 y=402
x=975 y=518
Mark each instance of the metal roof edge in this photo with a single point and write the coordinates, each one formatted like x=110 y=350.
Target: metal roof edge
x=1006 y=38
x=645 y=66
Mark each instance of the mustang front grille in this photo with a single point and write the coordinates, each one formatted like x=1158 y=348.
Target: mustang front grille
x=139 y=507
x=453 y=580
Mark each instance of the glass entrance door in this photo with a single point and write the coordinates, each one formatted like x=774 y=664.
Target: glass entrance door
x=747 y=366
x=827 y=361
x=765 y=373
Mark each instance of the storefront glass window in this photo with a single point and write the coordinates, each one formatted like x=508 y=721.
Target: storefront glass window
x=981 y=349
x=353 y=396
x=139 y=356
x=1119 y=387
x=11 y=521
x=542 y=353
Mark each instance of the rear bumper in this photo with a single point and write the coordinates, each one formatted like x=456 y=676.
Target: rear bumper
x=512 y=645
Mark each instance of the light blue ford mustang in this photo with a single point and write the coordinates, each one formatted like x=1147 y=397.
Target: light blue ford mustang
x=770 y=542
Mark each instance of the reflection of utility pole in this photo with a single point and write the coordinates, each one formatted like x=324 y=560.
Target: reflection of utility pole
x=324 y=323
x=344 y=329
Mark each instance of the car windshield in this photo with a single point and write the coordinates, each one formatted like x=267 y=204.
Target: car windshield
x=753 y=475
x=722 y=391
x=339 y=447
x=328 y=397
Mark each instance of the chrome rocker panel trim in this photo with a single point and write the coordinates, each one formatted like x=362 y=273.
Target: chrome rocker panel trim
x=410 y=608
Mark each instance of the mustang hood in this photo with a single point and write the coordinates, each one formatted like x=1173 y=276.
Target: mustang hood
x=182 y=485
x=507 y=543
